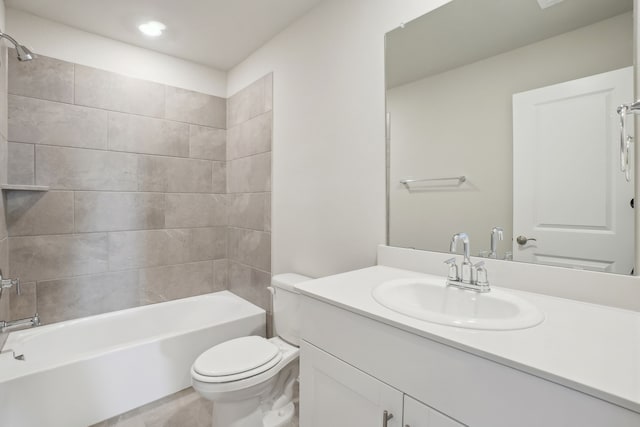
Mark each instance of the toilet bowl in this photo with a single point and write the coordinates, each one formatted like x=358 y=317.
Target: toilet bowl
x=251 y=379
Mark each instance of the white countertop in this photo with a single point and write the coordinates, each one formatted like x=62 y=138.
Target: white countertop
x=591 y=348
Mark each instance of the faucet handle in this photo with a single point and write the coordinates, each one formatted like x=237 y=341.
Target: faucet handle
x=453 y=269
x=481 y=274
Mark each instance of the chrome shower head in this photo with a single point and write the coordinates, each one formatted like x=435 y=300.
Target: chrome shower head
x=22 y=52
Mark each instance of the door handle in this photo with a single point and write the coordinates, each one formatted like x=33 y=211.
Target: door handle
x=523 y=240
x=386 y=416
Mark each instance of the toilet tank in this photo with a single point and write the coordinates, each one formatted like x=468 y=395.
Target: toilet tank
x=286 y=306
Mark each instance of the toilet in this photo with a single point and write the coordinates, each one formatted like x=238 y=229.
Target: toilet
x=251 y=379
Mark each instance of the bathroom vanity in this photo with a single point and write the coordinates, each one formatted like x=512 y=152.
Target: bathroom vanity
x=363 y=364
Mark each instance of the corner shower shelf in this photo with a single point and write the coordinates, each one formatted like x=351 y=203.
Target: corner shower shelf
x=19 y=187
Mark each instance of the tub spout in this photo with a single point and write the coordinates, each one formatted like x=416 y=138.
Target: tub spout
x=28 y=322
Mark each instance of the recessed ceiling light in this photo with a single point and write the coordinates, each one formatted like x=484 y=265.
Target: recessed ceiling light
x=152 y=28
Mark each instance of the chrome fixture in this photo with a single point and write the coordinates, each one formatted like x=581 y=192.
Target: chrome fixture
x=626 y=140
x=386 y=417
x=8 y=283
x=497 y=233
x=469 y=276
x=27 y=322
x=16 y=355
x=523 y=240
x=23 y=53
x=459 y=179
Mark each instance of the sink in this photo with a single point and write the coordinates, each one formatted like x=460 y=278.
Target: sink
x=432 y=300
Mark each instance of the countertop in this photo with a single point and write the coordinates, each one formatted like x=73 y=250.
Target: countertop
x=587 y=347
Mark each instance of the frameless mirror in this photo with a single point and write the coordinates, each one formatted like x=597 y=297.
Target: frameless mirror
x=501 y=115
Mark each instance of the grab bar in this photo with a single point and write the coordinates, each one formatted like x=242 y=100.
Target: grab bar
x=460 y=180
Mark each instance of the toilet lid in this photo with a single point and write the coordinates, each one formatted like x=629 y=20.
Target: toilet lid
x=246 y=355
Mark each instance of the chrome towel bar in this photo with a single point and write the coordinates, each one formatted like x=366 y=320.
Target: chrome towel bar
x=460 y=180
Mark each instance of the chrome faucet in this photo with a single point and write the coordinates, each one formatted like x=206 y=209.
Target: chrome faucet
x=8 y=283
x=465 y=268
x=27 y=322
x=469 y=276
x=497 y=233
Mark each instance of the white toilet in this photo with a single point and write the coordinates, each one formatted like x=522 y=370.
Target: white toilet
x=251 y=379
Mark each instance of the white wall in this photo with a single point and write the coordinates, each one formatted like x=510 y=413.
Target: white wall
x=329 y=149
x=59 y=41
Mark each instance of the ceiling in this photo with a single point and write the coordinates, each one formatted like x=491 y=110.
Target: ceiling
x=465 y=31
x=217 y=33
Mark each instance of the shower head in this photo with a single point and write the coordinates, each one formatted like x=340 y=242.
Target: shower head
x=23 y=53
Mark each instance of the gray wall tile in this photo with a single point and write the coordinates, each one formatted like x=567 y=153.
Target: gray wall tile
x=23 y=305
x=21 y=168
x=207 y=243
x=78 y=169
x=175 y=281
x=250 y=137
x=135 y=249
x=98 y=211
x=249 y=174
x=247 y=103
x=196 y=108
x=4 y=160
x=219 y=177
x=111 y=91
x=32 y=213
x=196 y=244
x=220 y=274
x=174 y=175
x=250 y=284
x=3 y=219
x=3 y=92
x=195 y=210
x=46 y=78
x=139 y=134
x=250 y=247
x=65 y=299
x=207 y=143
x=5 y=307
x=51 y=257
x=153 y=248
x=53 y=123
x=248 y=210
x=267 y=213
x=268 y=92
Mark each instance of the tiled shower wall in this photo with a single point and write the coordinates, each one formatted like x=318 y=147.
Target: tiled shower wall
x=136 y=211
x=249 y=130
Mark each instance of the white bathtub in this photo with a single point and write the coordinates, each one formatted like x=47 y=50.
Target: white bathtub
x=80 y=372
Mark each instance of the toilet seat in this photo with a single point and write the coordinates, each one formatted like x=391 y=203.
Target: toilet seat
x=237 y=359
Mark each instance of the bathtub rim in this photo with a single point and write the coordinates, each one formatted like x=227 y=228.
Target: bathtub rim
x=253 y=310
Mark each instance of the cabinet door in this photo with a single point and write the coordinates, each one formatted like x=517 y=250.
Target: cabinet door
x=417 y=414
x=334 y=393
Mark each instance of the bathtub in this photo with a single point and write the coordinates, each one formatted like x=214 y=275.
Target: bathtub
x=80 y=372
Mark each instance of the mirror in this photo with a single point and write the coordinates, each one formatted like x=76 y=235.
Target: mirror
x=502 y=113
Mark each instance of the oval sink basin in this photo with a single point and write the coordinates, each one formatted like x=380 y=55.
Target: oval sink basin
x=433 y=301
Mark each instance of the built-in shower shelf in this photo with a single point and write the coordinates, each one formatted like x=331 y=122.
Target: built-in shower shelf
x=18 y=187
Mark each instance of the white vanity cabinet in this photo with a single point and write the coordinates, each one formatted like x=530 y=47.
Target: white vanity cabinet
x=417 y=414
x=339 y=395
x=354 y=367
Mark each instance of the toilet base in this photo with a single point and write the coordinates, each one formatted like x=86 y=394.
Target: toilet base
x=280 y=417
x=248 y=413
